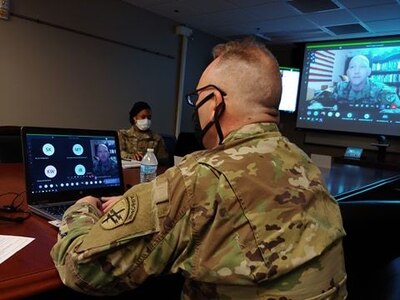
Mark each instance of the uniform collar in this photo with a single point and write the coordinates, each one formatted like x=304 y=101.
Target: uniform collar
x=251 y=129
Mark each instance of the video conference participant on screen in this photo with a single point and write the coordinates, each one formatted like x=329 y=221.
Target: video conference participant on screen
x=104 y=164
x=358 y=88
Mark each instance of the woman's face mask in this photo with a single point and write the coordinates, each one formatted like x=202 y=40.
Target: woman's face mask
x=143 y=124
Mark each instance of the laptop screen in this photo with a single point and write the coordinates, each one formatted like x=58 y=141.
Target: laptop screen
x=75 y=162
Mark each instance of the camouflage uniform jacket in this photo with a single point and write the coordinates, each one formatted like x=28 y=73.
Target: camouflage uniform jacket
x=108 y=168
x=249 y=219
x=374 y=93
x=133 y=140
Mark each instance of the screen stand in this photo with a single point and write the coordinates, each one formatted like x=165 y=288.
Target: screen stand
x=382 y=146
x=351 y=158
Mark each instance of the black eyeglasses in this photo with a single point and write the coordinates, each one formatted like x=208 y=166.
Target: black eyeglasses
x=192 y=98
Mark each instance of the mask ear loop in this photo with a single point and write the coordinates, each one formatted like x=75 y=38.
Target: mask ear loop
x=218 y=112
x=208 y=126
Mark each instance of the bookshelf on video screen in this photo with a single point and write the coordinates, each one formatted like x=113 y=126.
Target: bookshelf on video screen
x=351 y=86
x=290 y=88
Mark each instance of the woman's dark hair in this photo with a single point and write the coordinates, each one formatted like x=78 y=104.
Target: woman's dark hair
x=136 y=108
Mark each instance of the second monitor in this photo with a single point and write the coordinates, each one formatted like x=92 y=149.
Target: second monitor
x=290 y=86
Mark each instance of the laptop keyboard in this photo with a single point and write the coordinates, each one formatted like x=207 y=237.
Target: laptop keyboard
x=56 y=211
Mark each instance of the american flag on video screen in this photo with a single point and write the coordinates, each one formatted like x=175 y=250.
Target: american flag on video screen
x=321 y=65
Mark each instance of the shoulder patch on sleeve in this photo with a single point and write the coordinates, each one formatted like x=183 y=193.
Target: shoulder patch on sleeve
x=134 y=215
x=122 y=212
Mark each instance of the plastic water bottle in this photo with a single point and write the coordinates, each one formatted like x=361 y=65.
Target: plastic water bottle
x=148 y=166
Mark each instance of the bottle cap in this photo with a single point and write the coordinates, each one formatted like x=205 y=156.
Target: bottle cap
x=150 y=149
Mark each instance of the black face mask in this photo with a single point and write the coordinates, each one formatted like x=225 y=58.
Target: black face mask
x=200 y=133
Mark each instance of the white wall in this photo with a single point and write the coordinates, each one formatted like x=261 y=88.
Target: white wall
x=75 y=63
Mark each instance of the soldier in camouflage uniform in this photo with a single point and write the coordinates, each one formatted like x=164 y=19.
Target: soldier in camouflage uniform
x=134 y=141
x=104 y=165
x=247 y=218
x=361 y=90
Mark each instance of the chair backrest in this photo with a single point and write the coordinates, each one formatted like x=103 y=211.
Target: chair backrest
x=170 y=143
x=10 y=144
x=187 y=143
x=371 y=227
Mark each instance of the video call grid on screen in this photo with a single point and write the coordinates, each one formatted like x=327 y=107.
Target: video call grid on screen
x=64 y=163
x=325 y=65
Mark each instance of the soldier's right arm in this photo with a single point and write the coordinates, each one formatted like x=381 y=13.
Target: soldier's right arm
x=109 y=254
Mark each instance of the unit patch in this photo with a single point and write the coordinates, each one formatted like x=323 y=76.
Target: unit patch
x=124 y=211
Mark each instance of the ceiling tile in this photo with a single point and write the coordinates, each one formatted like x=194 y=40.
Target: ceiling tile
x=146 y=3
x=378 y=12
x=192 y=8
x=362 y=3
x=388 y=26
x=235 y=16
x=297 y=23
x=336 y=17
x=307 y=6
x=277 y=19
x=273 y=10
x=250 y=3
x=347 y=29
x=303 y=35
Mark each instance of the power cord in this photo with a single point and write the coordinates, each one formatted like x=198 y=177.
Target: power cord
x=13 y=212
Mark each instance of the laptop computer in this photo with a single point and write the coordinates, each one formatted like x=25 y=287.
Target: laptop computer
x=63 y=165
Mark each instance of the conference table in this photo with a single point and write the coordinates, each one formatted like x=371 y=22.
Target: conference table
x=353 y=182
x=31 y=271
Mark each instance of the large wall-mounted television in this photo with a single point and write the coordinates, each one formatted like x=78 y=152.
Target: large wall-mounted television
x=351 y=86
x=290 y=89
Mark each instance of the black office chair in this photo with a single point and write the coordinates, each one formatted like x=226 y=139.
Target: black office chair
x=10 y=144
x=391 y=278
x=170 y=143
x=370 y=248
x=187 y=143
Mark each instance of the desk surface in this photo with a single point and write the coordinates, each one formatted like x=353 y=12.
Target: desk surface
x=32 y=267
x=31 y=270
